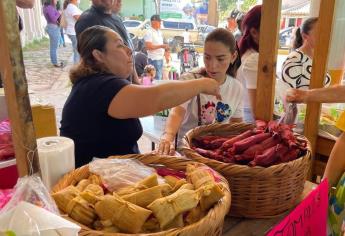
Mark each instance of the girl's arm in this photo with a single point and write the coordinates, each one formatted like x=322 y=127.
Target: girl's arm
x=336 y=163
x=166 y=145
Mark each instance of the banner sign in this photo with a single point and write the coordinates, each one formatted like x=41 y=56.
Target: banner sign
x=309 y=218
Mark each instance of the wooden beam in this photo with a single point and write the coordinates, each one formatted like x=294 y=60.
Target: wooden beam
x=212 y=17
x=16 y=93
x=320 y=59
x=268 y=49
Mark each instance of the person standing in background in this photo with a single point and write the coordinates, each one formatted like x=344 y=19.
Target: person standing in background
x=53 y=18
x=62 y=41
x=104 y=12
x=186 y=36
x=155 y=46
x=72 y=14
x=249 y=50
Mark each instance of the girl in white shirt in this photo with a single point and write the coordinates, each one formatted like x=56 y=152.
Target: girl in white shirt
x=249 y=49
x=72 y=13
x=296 y=70
x=221 y=58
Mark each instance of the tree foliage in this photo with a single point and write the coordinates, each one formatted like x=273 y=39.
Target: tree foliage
x=247 y=4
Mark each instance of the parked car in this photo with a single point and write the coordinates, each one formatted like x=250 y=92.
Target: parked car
x=137 y=27
x=173 y=29
x=285 y=37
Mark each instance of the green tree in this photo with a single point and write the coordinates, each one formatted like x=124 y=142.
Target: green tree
x=225 y=7
x=247 y=4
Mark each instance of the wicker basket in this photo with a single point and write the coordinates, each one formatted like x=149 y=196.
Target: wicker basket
x=256 y=192
x=211 y=224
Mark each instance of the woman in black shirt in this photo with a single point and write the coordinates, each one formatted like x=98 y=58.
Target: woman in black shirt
x=101 y=113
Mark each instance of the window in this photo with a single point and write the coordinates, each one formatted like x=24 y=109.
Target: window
x=170 y=24
x=185 y=25
x=131 y=23
x=292 y=22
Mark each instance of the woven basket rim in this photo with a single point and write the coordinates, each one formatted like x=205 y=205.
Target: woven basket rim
x=185 y=148
x=215 y=214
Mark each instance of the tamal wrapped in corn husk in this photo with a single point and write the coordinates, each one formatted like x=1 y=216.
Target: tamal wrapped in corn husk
x=187 y=186
x=146 y=183
x=167 y=208
x=178 y=184
x=166 y=189
x=177 y=222
x=95 y=179
x=151 y=225
x=171 y=180
x=199 y=177
x=126 y=216
x=195 y=215
x=95 y=189
x=100 y=224
x=81 y=211
x=82 y=184
x=210 y=194
x=90 y=197
x=64 y=196
x=144 y=197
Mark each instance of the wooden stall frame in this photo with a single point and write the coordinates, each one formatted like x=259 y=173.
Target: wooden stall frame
x=320 y=61
x=12 y=72
x=268 y=50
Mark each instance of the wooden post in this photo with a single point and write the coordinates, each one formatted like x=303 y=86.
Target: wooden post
x=212 y=17
x=16 y=93
x=320 y=59
x=269 y=29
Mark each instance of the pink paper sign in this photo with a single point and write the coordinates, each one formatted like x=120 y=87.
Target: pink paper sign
x=309 y=218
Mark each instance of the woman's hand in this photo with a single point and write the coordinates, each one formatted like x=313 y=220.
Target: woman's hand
x=166 y=144
x=211 y=87
x=297 y=96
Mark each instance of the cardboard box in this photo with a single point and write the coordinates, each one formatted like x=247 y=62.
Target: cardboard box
x=44 y=120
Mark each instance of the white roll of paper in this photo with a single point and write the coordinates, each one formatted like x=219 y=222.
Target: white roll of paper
x=56 y=157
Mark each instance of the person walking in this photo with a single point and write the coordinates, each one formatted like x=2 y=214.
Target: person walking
x=155 y=46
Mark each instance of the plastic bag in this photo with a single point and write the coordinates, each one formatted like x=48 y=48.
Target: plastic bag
x=6 y=146
x=26 y=219
x=119 y=173
x=31 y=189
x=5 y=196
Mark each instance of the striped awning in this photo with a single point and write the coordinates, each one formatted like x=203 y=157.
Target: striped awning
x=301 y=10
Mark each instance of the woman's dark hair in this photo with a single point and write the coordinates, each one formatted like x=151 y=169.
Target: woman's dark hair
x=226 y=37
x=305 y=28
x=65 y=4
x=251 y=20
x=90 y=39
x=47 y=2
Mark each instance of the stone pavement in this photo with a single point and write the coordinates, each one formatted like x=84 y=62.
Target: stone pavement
x=50 y=85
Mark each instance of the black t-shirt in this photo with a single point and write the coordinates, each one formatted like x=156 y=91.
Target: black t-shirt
x=85 y=119
x=94 y=16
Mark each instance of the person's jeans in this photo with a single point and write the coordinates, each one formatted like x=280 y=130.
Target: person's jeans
x=54 y=36
x=62 y=39
x=76 y=57
x=158 y=64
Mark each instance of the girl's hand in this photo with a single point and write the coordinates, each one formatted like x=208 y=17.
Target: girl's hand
x=297 y=96
x=166 y=145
